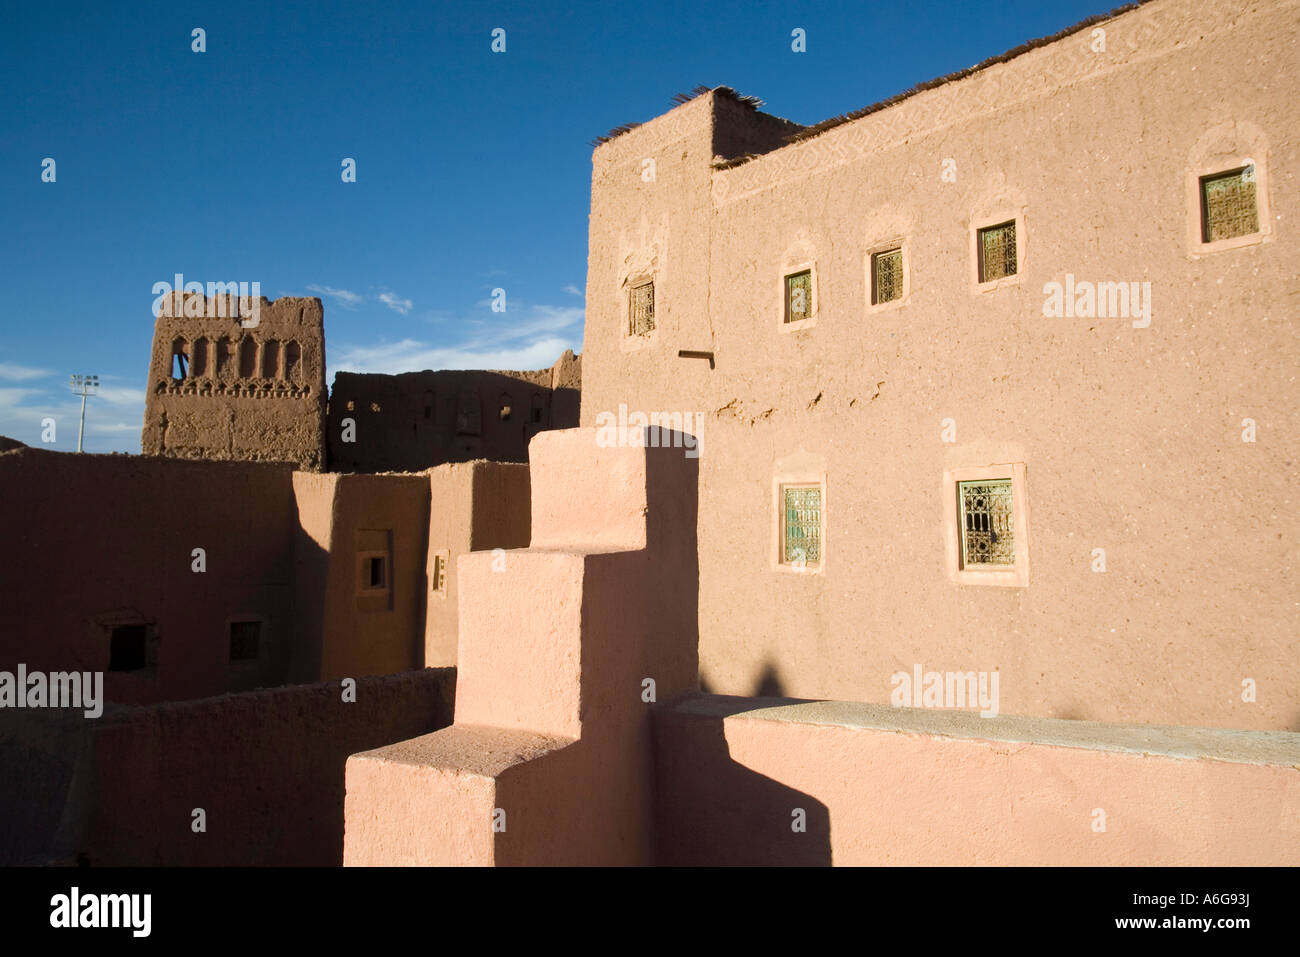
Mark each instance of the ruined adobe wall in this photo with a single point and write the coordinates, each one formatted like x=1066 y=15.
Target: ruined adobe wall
x=265 y=766
x=1131 y=437
x=566 y=391
x=249 y=394
x=417 y=420
x=94 y=542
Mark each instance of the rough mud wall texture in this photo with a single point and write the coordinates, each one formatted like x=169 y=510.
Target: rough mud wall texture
x=249 y=394
x=416 y=420
x=356 y=618
x=1131 y=438
x=97 y=543
x=876 y=786
x=266 y=767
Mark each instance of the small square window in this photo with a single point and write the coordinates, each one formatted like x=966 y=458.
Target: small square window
x=997 y=251
x=986 y=519
x=127 y=645
x=1228 y=207
x=801 y=525
x=375 y=572
x=798 y=296
x=641 y=309
x=245 y=640
x=376 y=575
x=887 y=276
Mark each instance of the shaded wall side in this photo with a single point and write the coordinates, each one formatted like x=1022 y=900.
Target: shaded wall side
x=418 y=420
x=267 y=768
x=368 y=631
x=502 y=506
x=98 y=542
x=314 y=495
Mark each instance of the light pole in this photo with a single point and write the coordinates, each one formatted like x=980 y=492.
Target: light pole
x=83 y=385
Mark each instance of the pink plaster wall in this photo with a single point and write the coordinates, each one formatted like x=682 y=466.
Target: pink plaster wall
x=1131 y=438
x=910 y=788
x=565 y=647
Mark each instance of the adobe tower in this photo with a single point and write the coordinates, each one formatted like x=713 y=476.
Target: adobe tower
x=225 y=388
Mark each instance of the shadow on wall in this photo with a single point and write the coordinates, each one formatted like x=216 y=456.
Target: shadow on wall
x=714 y=811
x=417 y=420
x=769 y=683
x=43 y=757
x=265 y=767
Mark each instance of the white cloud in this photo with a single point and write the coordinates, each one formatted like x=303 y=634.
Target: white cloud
x=395 y=302
x=409 y=355
x=343 y=297
x=573 y=290
x=17 y=373
x=114 y=418
x=525 y=337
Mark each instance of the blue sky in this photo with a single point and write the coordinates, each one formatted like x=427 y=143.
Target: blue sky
x=473 y=168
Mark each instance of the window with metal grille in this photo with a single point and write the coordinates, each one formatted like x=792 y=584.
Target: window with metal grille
x=887 y=276
x=798 y=296
x=997 y=251
x=801 y=536
x=245 y=640
x=987 y=522
x=1228 y=206
x=641 y=309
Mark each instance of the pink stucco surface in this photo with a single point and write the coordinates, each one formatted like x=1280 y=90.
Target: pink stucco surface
x=883 y=786
x=563 y=653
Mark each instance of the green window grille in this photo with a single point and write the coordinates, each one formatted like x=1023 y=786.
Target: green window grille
x=802 y=527
x=987 y=523
x=1228 y=205
x=798 y=296
x=641 y=312
x=997 y=248
x=887 y=276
